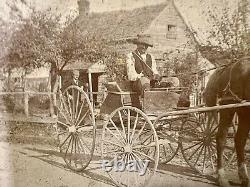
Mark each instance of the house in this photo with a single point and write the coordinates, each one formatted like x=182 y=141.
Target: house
x=163 y=22
x=170 y=32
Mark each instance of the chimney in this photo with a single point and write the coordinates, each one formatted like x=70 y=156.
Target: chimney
x=83 y=7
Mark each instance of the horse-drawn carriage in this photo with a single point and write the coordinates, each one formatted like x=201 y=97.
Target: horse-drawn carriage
x=134 y=141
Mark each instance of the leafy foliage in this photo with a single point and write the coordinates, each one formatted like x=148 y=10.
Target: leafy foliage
x=184 y=67
x=41 y=41
x=230 y=33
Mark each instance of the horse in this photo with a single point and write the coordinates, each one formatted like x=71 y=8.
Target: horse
x=228 y=85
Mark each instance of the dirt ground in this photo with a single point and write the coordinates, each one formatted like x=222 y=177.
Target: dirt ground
x=29 y=158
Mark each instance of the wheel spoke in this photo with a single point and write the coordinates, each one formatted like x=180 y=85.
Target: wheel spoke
x=113 y=151
x=140 y=131
x=112 y=143
x=124 y=138
x=122 y=124
x=194 y=152
x=150 y=136
x=80 y=111
x=84 y=116
x=64 y=124
x=192 y=146
x=134 y=127
x=140 y=163
x=73 y=138
x=64 y=105
x=65 y=140
x=117 y=138
x=128 y=126
x=65 y=116
x=197 y=159
x=73 y=104
x=76 y=157
x=81 y=148
x=204 y=160
x=211 y=158
x=66 y=152
x=83 y=143
x=138 y=152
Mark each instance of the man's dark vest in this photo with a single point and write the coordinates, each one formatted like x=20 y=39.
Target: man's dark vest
x=140 y=66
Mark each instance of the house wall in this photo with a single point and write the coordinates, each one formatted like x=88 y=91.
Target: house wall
x=169 y=32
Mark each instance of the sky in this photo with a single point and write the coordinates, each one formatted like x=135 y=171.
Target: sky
x=66 y=7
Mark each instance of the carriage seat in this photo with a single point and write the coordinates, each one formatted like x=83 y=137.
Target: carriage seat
x=118 y=95
x=169 y=82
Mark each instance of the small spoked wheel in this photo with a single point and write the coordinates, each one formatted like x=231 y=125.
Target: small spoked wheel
x=76 y=128
x=198 y=142
x=130 y=150
x=167 y=128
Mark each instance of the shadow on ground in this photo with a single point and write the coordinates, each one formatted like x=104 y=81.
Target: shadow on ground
x=46 y=155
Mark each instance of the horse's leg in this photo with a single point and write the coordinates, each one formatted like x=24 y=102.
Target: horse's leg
x=240 y=142
x=226 y=117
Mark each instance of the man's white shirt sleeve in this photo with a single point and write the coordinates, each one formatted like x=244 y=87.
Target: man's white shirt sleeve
x=132 y=74
x=154 y=65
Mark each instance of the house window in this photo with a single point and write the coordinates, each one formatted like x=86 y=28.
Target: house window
x=171 y=31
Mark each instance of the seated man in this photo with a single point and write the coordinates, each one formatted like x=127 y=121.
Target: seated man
x=141 y=68
x=74 y=80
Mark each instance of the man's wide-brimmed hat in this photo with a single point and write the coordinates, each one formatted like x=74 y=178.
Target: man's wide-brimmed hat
x=143 y=39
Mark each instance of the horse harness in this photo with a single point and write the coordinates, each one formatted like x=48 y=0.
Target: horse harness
x=228 y=89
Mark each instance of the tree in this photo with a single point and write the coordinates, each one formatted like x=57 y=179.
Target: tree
x=40 y=41
x=229 y=39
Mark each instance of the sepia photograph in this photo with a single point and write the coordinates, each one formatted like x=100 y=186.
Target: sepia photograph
x=127 y=93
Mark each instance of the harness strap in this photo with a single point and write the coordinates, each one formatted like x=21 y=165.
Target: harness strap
x=228 y=86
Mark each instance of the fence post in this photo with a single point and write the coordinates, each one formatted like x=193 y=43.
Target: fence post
x=26 y=103
x=51 y=103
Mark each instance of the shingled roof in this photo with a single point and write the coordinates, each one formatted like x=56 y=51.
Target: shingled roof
x=119 y=24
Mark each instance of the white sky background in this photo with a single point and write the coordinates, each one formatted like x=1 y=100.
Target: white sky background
x=64 y=7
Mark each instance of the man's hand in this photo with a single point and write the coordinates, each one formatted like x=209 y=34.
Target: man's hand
x=140 y=75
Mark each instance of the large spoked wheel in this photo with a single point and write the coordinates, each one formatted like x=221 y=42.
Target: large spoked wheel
x=167 y=128
x=198 y=142
x=76 y=128
x=130 y=149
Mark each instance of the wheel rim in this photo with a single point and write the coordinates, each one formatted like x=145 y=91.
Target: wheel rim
x=167 y=129
x=127 y=136
x=76 y=128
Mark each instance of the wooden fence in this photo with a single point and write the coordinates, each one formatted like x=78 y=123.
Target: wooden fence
x=24 y=97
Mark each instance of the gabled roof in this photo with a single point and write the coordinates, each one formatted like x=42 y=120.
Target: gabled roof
x=118 y=24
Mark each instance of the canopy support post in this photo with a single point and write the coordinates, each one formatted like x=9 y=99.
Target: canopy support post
x=90 y=88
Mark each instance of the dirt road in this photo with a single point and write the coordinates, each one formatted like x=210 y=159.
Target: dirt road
x=36 y=165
